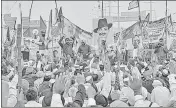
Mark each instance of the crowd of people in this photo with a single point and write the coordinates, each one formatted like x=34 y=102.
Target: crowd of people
x=89 y=82
x=90 y=79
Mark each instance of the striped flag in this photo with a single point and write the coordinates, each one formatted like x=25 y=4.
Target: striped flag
x=133 y=4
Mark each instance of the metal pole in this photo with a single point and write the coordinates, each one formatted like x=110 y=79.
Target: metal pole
x=150 y=10
x=166 y=25
x=166 y=20
x=50 y=33
x=139 y=11
x=102 y=10
x=56 y=3
x=30 y=11
x=109 y=8
x=118 y=17
x=140 y=25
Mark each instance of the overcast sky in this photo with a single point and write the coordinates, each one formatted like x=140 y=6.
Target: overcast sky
x=81 y=13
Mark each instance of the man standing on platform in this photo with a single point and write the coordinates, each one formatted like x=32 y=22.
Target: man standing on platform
x=84 y=50
x=161 y=51
x=67 y=47
x=41 y=43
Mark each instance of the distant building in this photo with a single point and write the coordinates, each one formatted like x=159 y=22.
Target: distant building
x=28 y=26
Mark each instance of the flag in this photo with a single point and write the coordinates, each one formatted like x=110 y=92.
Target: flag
x=146 y=20
x=14 y=25
x=170 y=20
x=133 y=4
x=50 y=24
x=55 y=31
x=42 y=24
x=27 y=33
x=60 y=18
x=131 y=31
x=30 y=11
x=78 y=31
x=49 y=29
x=22 y=39
x=13 y=41
x=8 y=34
x=60 y=14
x=56 y=16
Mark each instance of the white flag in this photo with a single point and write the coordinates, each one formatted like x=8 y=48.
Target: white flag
x=133 y=4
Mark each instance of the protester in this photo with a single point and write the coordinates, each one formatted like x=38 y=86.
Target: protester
x=84 y=50
x=75 y=79
x=161 y=51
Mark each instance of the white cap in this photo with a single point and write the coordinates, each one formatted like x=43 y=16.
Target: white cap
x=52 y=81
x=126 y=79
x=165 y=71
x=88 y=78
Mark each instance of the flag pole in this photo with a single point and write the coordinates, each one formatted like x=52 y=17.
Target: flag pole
x=166 y=27
x=56 y=3
x=140 y=24
x=19 y=38
x=30 y=11
x=102 y=10
x=166 y=21
x=52 y=36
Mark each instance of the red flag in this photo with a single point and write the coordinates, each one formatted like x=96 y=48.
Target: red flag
x=42 y=25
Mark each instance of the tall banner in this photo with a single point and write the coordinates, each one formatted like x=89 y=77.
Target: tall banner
x=70 y=30
x=156 y=29
x=173 y=41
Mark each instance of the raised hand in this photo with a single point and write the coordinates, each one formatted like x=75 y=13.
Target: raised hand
x=80 y=79
x=59 y=85
x=90 y=92
x=136 y=85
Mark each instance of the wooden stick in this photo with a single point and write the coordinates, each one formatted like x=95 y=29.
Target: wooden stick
x=19 y=35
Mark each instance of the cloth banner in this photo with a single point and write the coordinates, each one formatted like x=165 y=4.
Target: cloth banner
x=173 y=42
x=156 y=29
x=131 y=31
